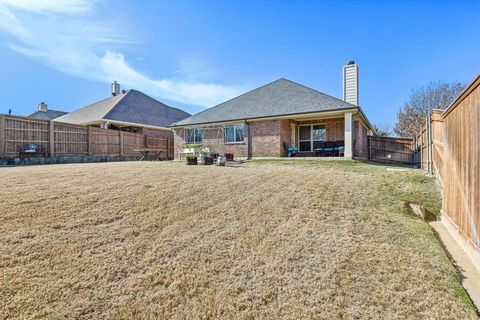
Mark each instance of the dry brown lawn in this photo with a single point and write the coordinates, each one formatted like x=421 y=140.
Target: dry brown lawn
x=316 y=240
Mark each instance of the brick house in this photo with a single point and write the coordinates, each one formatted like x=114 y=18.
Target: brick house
x=261 y=122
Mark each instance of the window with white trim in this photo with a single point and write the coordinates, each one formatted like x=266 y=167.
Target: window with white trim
x=194 y=135
x=234 y=133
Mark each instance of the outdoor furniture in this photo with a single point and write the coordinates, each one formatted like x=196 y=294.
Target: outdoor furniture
x=147 y=151
x=30 y=151
x=292 y=151
x=319 y=150
x=339 y=148
x=328 y=150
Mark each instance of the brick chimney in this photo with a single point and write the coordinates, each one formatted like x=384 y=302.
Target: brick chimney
x=350 y=83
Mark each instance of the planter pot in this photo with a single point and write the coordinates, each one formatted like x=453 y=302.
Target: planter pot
x=221 y=161
x=229 y=156
x=208 y=161
x=191 y=161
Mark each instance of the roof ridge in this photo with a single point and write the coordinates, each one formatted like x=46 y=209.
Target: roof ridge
x=161 y=102
x=116 y=103
x=322 y=93
x=234 y=98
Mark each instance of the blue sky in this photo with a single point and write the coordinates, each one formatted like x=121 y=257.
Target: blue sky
x=194 y=54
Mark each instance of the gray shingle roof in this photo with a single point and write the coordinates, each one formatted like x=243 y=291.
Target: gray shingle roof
x=46 y=115
x=281 y=97
x=132 y=106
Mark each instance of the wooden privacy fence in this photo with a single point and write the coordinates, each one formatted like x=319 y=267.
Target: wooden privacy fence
x=449 y=146
x=63 y=139
x=391 y=150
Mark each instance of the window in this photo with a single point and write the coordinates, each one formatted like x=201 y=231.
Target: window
x=310 y=135
x=234 y=133
x=194 y=135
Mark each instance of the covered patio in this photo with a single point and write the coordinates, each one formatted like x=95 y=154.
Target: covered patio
x=334 y=135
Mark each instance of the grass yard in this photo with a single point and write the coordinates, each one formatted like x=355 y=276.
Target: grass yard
x=268 y=239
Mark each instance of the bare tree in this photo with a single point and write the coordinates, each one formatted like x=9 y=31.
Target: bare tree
x=383 y=129
x=435 y=95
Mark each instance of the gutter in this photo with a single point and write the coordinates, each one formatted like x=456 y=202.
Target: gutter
x=281 y=116
x=136 y=124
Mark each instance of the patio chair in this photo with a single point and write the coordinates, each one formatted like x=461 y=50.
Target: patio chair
x=329 y=148
x=319 y=149
x=339 y=149
x=291 y=151
x=31 y=150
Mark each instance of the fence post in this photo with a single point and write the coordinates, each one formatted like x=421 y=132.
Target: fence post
x=2 y=135
x=52 y=138
x=121 y=142
x=90 y=140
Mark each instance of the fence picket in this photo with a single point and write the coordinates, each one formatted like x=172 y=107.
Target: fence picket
x=63 y=139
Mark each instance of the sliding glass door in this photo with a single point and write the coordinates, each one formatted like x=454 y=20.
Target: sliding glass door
x=310 y=135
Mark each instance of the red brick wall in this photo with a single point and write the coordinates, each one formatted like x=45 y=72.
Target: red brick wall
x=265 y=138
x=285 y=135
x=360 y=136
x=335 y=128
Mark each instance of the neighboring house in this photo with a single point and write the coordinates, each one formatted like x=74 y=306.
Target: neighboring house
x=259 y=123
x=44 y=114
x=129 y=110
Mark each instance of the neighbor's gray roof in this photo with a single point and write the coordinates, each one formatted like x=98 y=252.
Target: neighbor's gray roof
x=132 y=106
x=46 y=115
x=281 y=97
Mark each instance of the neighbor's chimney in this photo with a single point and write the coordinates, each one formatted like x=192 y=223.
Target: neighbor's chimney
x=42 y=106
x=115 y=88
x=350 y=83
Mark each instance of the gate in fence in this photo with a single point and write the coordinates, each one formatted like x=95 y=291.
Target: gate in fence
x=391 y=150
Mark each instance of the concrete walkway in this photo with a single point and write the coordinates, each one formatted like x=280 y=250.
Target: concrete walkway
x=470 y=274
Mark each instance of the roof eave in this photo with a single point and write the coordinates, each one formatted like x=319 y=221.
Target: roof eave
x=274 y=117
x=125 y=123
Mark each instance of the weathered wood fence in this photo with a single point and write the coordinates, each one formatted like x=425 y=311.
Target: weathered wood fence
x=391 y=150
x=449 y=145
x=62 y=139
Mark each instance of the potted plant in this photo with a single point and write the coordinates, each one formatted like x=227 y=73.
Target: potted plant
x=192 y=148
x=207 y=160
x=191 y=159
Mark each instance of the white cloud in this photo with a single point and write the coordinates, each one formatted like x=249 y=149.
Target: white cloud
x=66 y=36
x=59 y=6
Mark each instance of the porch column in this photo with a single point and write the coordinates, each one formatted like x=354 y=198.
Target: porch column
x=348 y=135
x=293 y=129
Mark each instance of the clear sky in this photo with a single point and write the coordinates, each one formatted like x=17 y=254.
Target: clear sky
x=195 y=54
